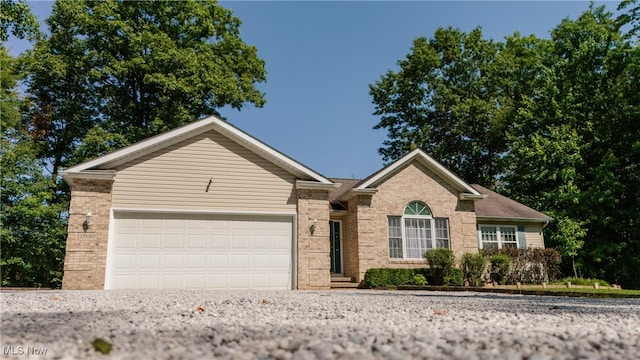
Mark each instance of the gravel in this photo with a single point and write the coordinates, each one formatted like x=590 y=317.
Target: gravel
x=171 y=324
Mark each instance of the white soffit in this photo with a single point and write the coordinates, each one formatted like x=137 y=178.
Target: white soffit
x=171 y=137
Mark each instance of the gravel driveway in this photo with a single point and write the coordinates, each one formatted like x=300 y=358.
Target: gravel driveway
x=326 y=325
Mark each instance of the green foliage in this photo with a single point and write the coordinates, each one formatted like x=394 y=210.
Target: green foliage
x=454 y=277
x=387 y=277
x=419 y=279
x=441 y=262
x=499 y=268
x=443 y=101
x=32 y=228
x=16 y=18
x=473 y=267
x=528 y=266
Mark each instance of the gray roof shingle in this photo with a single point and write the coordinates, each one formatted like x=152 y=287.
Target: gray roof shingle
x=499 y=206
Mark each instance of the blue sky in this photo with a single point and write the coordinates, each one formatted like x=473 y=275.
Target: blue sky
x=321 y=57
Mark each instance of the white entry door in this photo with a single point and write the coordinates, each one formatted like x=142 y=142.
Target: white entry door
x=200 y=252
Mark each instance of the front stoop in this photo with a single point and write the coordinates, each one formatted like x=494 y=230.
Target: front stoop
x=341 y=282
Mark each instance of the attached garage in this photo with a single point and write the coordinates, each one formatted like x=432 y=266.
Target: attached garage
x=203 y=206
x=195 y=251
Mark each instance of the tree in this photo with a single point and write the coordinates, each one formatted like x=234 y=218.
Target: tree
x=130 y=70
x=444 y=101
x=575 y=153
x=16 y=19
x=31 y=224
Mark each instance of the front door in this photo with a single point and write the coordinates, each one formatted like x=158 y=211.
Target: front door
x=335 y=241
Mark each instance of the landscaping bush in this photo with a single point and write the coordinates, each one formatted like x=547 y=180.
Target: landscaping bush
x=390 y=278
x=499 y=268
x=529 y=266
x=473 y=268
x=419 y=279
x=440 y=262
x=455 y=277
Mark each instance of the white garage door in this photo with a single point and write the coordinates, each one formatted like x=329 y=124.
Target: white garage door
x=200 y=252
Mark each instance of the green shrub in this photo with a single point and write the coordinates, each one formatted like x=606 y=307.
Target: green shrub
x=440 y=262
x=499 y=268
x=473 y=267
x=389 y=278
x=419 y=279
x=529 y=266
x=455 y=277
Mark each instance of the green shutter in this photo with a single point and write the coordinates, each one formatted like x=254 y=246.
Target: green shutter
x=522 y=239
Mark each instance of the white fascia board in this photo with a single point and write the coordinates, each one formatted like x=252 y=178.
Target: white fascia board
x=210 y=123
x=91 y=174
x=314 y=185
x=467 y=196
x=356 y=192
x=430 y=163
x=145 y=146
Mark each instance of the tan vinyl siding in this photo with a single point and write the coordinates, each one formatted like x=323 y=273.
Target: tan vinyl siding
x=177 y=177
x=533 y=232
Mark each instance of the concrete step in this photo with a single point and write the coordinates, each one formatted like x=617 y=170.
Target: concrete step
x=340 y=279
x=344 y=285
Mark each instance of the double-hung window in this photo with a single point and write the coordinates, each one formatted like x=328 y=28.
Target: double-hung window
x=416 y=231
x=498 y=237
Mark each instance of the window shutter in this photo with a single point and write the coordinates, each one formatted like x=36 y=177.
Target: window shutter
x=522 y=239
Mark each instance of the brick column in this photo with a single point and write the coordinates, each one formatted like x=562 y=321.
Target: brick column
x=314 y=264
x=86 y=248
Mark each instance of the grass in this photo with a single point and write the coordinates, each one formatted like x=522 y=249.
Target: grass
x=571 y=292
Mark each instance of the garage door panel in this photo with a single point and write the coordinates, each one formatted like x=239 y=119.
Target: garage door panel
x=200 y=251
x=240 y=241
x=239 y=261
x=196 y=261
x=239 y=281
x=219 y=241
x=151 y=281
x=149 y=262
x=197 y=241
x=217 y=281
x=152 y=224
x=172 y=261
x=260 y=261
x=174 y=241
x=218 y=261
x=151 y=241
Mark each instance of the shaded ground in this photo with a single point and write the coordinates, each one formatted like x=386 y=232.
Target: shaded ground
x=326 y=325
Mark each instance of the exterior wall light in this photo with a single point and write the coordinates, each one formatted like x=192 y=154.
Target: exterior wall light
x=313 y=226
x=89 y=219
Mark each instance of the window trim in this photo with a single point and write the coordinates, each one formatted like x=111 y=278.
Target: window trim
x=432 y=227
x=498 y=235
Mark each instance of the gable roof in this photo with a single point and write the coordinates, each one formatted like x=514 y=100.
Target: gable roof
x=103 y=165
x=499 y=207
x=466 y=191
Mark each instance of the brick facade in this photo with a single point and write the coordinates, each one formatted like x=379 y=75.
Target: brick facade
x=313 y=248
x=86 y=248
x=366 y=227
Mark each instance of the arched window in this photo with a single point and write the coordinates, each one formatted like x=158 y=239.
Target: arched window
x=416 y=231
x=417 y=208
